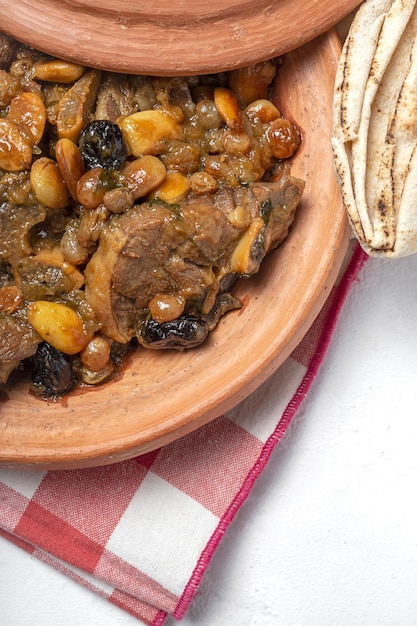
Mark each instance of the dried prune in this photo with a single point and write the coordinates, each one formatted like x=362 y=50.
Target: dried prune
x=184 y=332
x=188 y=330
x=52 y=373
x=102 y=145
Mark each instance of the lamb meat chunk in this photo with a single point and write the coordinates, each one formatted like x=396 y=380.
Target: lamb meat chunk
x=115 y=98
x=142 y=268
x=185 y=250
x=280 y=201
x=174 y=91
x=210 y=235
x=15 y=188
x=15 y=224
x=40 y=280
x=144 y=92
x=7 y=49
x=98 y=282
x=75 y=109
x=18 y=340
x=270 y=208
x=136 y=260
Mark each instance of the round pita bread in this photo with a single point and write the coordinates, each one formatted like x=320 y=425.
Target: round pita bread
x=374 y=126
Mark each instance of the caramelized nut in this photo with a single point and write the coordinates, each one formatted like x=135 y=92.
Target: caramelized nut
x=70 y=164
x=242 y=260
x=239 y=217
x=59 y=325
x=143 y=174
x=145 y=131
x=173 y=189
x=228 y=107
x=90 y=189
x=48 y=185
x=57 y=71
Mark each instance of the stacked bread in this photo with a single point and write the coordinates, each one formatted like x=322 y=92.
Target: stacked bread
x=375 y=127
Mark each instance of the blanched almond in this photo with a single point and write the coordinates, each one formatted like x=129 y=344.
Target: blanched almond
x=59 y=325
x=242 y=260
x=173 y=189
x=48 y=184
x=57 y=71
x=145 y=131
x=228 y=107
x=70 y=163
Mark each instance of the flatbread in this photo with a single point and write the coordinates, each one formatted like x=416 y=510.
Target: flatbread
x=374 y=126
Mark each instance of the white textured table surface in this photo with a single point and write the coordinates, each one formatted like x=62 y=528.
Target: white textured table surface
x=329 y=533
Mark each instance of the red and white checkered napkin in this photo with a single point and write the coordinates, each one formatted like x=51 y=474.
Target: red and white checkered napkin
x=142 y=532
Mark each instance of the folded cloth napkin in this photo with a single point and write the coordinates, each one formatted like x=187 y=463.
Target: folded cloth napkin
x=142 y=532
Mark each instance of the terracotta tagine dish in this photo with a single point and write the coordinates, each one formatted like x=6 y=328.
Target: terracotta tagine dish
x=157 y=396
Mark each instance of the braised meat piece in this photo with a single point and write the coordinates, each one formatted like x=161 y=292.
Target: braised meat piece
x=179 y=254
x=115 y=98
x=7 y=48
x=15 y=224
x=18 y=340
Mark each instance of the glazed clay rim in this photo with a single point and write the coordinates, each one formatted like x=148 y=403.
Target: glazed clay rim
x=167 y=38
x=163 y=395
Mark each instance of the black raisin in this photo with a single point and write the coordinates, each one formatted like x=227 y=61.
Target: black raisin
x=102 y=145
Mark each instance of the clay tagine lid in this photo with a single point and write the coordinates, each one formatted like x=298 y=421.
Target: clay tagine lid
x=169 y=38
